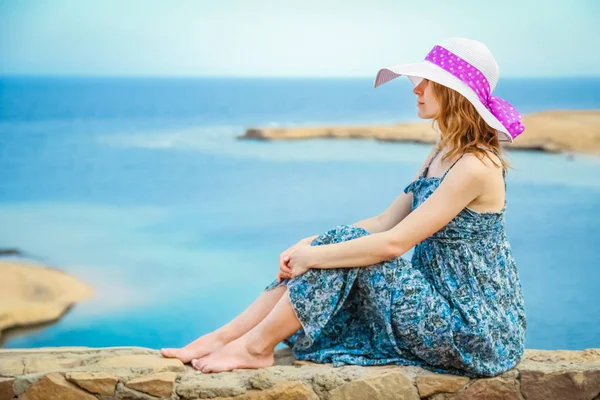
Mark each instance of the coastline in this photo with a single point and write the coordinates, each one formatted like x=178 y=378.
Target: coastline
x=33 y=296
x=553 y=131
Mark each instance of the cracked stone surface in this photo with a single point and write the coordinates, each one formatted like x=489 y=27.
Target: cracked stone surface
x=143 y=374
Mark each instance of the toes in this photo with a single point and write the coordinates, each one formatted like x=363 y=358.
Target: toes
x=202 y=362
x=207 y=368
x=197 y=364
x=167 y=352
x=215 y=367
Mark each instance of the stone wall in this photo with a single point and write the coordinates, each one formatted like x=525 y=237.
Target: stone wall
x=72 y=373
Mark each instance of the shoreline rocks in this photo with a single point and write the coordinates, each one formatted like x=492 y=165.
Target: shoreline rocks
x=31 y=294
x=141 y=373
x=548 y=131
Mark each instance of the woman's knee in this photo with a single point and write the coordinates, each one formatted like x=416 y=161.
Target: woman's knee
x=340 y=233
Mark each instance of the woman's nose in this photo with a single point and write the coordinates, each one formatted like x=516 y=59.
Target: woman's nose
x=417 y=90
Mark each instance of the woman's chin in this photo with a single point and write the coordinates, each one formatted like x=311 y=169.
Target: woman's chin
x=423 y=115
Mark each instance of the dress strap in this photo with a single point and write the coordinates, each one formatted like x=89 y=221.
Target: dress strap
x=426 y=169
x=453 y=164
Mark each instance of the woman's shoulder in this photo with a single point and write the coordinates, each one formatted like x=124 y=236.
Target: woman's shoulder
x=480 y=166
x=487 y=158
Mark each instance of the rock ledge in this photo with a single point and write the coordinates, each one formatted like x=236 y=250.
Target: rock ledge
x=142 y=374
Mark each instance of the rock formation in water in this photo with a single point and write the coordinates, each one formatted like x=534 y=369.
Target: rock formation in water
x=32 y=294
x=551 y=131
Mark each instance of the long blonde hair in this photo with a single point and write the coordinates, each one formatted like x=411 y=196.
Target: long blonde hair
x=462 y=128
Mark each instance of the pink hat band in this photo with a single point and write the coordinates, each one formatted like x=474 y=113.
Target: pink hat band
x=508 y=116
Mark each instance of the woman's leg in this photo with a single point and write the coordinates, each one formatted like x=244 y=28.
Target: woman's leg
x=317 y=296
x=255 y=349
x=247 y=320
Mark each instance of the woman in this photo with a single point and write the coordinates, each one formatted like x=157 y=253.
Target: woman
x=348 y=297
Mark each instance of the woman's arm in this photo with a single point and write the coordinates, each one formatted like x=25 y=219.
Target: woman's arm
x=463 y=184
x=371 y=225
x=400 y=207
x=391 y=216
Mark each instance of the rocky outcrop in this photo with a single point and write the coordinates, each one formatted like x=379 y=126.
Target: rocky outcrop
x=551 y=131
x=139 y=373
x=32 y=294
x=10 y=252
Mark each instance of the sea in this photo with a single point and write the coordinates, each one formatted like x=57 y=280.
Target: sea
x=140 y=187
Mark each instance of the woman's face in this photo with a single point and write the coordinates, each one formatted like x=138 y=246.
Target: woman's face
x=427 y=104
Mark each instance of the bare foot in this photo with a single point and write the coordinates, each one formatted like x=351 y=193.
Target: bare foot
x=234 y=355
x=200 y=347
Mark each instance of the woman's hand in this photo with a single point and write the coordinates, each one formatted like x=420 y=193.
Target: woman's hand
x=296 y=260
x=281 y=276
x=285 y=270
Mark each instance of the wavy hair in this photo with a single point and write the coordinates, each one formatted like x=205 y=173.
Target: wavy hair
x=462 y=129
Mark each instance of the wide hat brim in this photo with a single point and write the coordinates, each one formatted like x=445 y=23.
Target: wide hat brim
x=426 y=70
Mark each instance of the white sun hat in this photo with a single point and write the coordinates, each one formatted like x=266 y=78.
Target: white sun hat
x=467 y=66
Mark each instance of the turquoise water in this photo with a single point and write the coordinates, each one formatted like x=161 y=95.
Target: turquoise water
x=140 y=188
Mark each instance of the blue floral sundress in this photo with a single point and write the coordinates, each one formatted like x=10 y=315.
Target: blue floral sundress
x=455 y=308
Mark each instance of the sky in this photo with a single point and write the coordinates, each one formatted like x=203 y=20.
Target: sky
x=295 y=38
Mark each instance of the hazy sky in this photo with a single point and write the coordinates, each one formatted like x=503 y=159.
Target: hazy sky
x=290 y=38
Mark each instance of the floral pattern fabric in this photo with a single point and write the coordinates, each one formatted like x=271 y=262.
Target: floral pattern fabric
x=455 y=308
